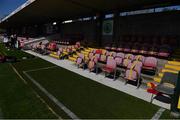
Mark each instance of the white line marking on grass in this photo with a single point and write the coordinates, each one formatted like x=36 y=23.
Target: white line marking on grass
x=45 y=68
x=55 y=100
x=158 y=114
x=43 y=101
x=24 y=81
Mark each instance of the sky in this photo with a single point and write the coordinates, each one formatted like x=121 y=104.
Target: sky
x=7 y=6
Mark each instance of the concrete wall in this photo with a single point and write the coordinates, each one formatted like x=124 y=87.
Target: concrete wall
x=162 y=24
x=86 y=28
x=159 y=24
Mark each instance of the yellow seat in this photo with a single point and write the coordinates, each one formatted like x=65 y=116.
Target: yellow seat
x=174 y=63
x=161 y=74
x=174 y=67
x=55 y=56
x=84 y=52
x=157 y=79
x=72 y=59
x=75 y=56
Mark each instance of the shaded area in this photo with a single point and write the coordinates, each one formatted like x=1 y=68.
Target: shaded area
x=17 y=99
x=86 y=98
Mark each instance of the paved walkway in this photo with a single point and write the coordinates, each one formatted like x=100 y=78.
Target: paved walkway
x=118 y=84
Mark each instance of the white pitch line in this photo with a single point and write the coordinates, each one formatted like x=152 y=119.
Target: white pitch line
x=158 y=114
x=43 y=101
x=44 y=68
x=51 y=97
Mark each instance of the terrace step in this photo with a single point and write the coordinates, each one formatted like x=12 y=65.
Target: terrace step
x=170 y=70
x=174 y=63
x=172 y=67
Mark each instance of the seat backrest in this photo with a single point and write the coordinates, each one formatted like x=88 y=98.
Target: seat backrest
x=129 y=56
x=91 y=64
x=121 y=55
x=126 y=62
x=111 y=63
x=79 y=60
x=135 y=66
x=98 y=51
x=139 y=58
x=151 y=62
x=90 y=55
x=97 y=56
x=104 y=52
x=103 y=58
x=78 y=44
x=119 y=60
x=113 y=54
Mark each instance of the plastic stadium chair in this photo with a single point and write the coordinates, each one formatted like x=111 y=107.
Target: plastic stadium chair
x=139 y=58
x=126 y=62
x=80 y=61
x=52 y=46
x=119 y=59
x=92 y=64
x=133 y=72
x=113 y=54
x=150 y=65
x=102 y=59
x=129 y=56
x=110 y=67
x=121 y=55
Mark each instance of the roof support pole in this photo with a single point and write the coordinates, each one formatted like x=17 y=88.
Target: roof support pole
x=115 y=28
x=99 y=22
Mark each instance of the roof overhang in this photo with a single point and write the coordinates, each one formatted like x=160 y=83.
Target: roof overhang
x=43 y=11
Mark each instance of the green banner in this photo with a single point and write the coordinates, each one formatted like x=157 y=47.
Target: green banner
x=108 y=27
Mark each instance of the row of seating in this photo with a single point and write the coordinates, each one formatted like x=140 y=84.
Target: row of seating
x=159 y=40
x=132 y=64
x=145 y=49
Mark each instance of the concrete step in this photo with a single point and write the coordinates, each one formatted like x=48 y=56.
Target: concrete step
x=169 y=70
x=172 y=67
x=174 y=63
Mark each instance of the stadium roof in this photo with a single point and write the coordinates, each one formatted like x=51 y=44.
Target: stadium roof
x=43 y=11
